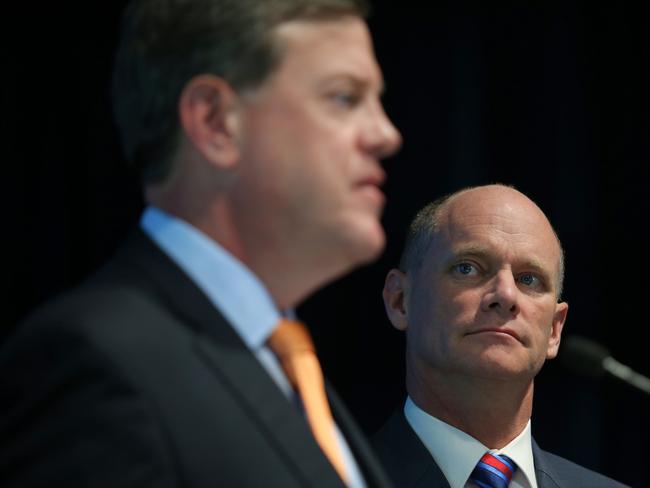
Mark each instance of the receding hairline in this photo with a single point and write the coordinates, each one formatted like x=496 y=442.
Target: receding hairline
x=425 y=224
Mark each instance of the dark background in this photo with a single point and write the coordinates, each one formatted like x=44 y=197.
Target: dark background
x=552 y=97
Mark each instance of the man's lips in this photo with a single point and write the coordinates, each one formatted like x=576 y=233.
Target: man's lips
x=373 y=194
x=375 y=178
x=370 y=187
x=496 y=330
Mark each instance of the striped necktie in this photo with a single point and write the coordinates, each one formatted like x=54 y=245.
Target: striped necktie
x=493 y=471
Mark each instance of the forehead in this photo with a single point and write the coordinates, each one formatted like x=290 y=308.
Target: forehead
x=504 y=225
x=317 y=49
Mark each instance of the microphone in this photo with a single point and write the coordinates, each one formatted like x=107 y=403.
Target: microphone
x=591 y=359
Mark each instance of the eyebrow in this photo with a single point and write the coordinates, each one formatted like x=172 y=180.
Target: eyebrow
x=350 y=76
x=469 y=250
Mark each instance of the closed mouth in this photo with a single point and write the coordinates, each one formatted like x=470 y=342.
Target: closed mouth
x=509 y=332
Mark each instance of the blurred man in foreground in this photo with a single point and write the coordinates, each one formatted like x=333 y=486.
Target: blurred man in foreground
x=258 y=128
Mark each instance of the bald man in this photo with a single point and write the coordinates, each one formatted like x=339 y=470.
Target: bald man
x=478 y=296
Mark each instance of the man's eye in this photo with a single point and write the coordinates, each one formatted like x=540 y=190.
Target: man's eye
x=529 y=280
x=465 y=269
x=345 y=99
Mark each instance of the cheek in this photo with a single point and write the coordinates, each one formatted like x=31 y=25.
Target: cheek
x=542 y=316
x=540 y=323
x=444 y=307
x=320 y=162
x=430 y=320
x=463 y=307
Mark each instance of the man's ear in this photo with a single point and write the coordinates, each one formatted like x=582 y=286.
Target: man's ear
x=394 y=293
x=559 y=317
x=208 y=114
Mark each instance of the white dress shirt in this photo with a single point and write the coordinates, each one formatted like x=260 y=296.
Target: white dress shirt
x=236 y=292
x=457 y=453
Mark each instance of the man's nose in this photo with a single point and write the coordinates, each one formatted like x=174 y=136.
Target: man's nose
x=381 y=137
x=502 y=294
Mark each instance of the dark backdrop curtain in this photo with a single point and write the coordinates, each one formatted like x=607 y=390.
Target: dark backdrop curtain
x=550 y=96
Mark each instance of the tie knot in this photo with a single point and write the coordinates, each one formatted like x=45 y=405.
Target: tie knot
x=289 y=338
x=493 y=471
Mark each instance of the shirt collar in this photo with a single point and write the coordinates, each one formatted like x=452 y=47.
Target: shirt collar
x=233 y=288
x=520 y=450
x=457 y=453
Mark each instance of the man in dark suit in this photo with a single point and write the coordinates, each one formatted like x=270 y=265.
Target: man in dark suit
x=478 y=295
x=258 y=128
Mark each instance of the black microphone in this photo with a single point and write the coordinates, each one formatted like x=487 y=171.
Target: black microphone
x=589 y=358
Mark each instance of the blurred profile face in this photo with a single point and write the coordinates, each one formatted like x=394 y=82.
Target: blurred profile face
x=311 y=140
x=484 y=303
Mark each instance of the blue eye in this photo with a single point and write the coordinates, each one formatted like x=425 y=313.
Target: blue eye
x=529 y=280
x=465 y=269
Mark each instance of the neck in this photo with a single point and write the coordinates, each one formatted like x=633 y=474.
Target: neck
x=282 y=266
x=492 y=411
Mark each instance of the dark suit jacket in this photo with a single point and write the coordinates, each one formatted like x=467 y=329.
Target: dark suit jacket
x=410 y=465
x=134 y=379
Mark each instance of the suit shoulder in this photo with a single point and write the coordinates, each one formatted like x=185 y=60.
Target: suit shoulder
x=101 y=321
x=120 y=290
x=558 y=468
x=386 y=440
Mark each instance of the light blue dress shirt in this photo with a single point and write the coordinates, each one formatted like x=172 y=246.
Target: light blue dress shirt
x=235 y=291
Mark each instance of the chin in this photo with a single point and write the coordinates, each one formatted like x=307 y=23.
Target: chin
x=369 y=245
x=504 y=370
x=495 y=361
x=351 y=243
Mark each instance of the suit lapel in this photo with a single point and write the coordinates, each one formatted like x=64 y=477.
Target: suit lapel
x=270 y=410
x=229 y=358
x=547 y=476
x=370 y=466
x=408 y=462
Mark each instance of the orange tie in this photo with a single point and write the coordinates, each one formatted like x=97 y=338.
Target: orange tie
x=293 y=346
